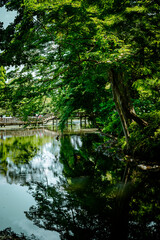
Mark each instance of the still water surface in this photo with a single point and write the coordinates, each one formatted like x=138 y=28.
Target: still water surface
x=26 y=159
x=73 y=187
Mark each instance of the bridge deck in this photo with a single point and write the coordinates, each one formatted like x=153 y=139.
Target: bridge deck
x=40 y=120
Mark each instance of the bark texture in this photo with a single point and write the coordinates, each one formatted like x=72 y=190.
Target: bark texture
x=123 y=104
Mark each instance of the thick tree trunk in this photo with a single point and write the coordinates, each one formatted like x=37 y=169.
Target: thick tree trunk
x=123 y=104
x=118 y=102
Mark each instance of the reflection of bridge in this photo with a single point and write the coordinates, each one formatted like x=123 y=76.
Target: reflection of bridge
x=41 y=132
x=42 y=120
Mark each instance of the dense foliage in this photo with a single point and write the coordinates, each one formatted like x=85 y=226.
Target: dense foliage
x=101 y=57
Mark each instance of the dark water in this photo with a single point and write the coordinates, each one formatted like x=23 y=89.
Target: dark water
x=71 y=187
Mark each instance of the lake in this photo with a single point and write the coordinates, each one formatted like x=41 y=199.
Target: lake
x=75 y=186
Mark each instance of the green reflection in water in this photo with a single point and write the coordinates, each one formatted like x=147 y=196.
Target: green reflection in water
x=20 y=150
x=80 y=207
x=100 y=198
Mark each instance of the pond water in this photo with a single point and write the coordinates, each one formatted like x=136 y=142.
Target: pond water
x=74 y=187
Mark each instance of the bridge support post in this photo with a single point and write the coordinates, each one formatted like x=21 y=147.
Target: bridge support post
x=85 y=121
x=56 y=123
x=53 y=123
x=80 y=121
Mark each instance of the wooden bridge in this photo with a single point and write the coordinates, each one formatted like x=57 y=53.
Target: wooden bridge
x=40 y=120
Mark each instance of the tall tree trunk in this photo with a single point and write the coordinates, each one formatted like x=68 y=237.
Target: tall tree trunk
x=118 y=102
x=123 y=104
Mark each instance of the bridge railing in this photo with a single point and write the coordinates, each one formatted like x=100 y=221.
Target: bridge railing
x=31 y=119
x=38 y=119
x=9 y=120
x=15 y=120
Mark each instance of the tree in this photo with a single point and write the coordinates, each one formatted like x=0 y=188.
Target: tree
x=71 y=50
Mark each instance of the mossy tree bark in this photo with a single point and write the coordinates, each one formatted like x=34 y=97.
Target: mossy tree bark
x=123 y=103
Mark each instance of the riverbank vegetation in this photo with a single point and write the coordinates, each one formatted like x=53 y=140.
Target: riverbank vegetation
x=101 y=57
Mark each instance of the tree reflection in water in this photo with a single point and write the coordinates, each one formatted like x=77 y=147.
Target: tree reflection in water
x=97 y=196
x=69 y=215
x=29 y=158
x=94 y=201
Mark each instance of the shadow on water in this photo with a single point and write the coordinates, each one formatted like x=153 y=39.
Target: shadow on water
x=95 y=197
